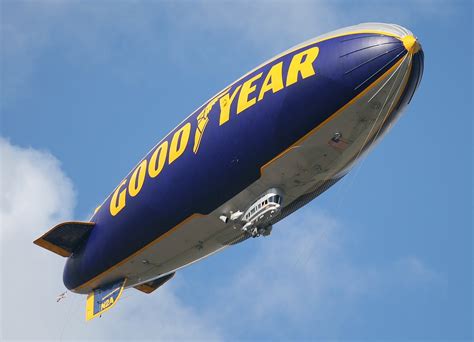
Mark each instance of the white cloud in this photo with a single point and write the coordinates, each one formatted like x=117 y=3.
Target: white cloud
x=35 y=192
x=303 y=276
x=300 y=275
x=411 y=271
x=35 y=195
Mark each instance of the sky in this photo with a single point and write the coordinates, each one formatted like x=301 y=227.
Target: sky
x=87 y=88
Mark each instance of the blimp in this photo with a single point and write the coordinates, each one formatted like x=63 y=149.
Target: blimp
x=254 y=153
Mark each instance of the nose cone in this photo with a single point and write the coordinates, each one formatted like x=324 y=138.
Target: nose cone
x=415 y=66
x=366 y=56
x=411 y=44
x=370 y=50
x=384 y=59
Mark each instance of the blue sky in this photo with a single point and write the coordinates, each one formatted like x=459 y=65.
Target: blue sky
x=87 y=88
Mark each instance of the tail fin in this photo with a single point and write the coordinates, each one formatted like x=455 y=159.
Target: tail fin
x=103 y=298
x=154 y=284
x=66 y=237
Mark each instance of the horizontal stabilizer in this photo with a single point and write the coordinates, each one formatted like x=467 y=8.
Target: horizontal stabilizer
x=154 y=284
x=66 y=237
x=103 y=298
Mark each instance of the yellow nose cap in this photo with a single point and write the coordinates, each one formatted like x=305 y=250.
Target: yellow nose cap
x=411 y=44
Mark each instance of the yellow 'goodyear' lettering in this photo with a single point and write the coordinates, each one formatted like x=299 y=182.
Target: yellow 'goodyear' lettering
x=225 y=102
x=302 y=64
x=248 y=88
x=273 y=81
x=246 y=95
x=179 y=142
x=137 y=179
x=158 y=159
x=178 y=145
x=117 y=202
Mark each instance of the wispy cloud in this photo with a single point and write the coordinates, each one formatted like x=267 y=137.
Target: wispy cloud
x=35 y=195
x=303 y=276
x=300 y=275
x=34 y=191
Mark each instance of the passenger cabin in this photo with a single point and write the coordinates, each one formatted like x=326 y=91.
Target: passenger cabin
x=264 y=208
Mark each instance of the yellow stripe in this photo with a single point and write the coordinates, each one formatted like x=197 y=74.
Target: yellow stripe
x=279 y=156
x=111 y=293
x=332 y=117
x=51 y=247
x=145 y=288
x=90 y=306
x=42 y=242
x=140 y=250
x=315 y=42
x=405 y=83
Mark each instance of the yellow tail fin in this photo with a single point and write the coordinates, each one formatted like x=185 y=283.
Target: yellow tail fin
x=103 y=299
